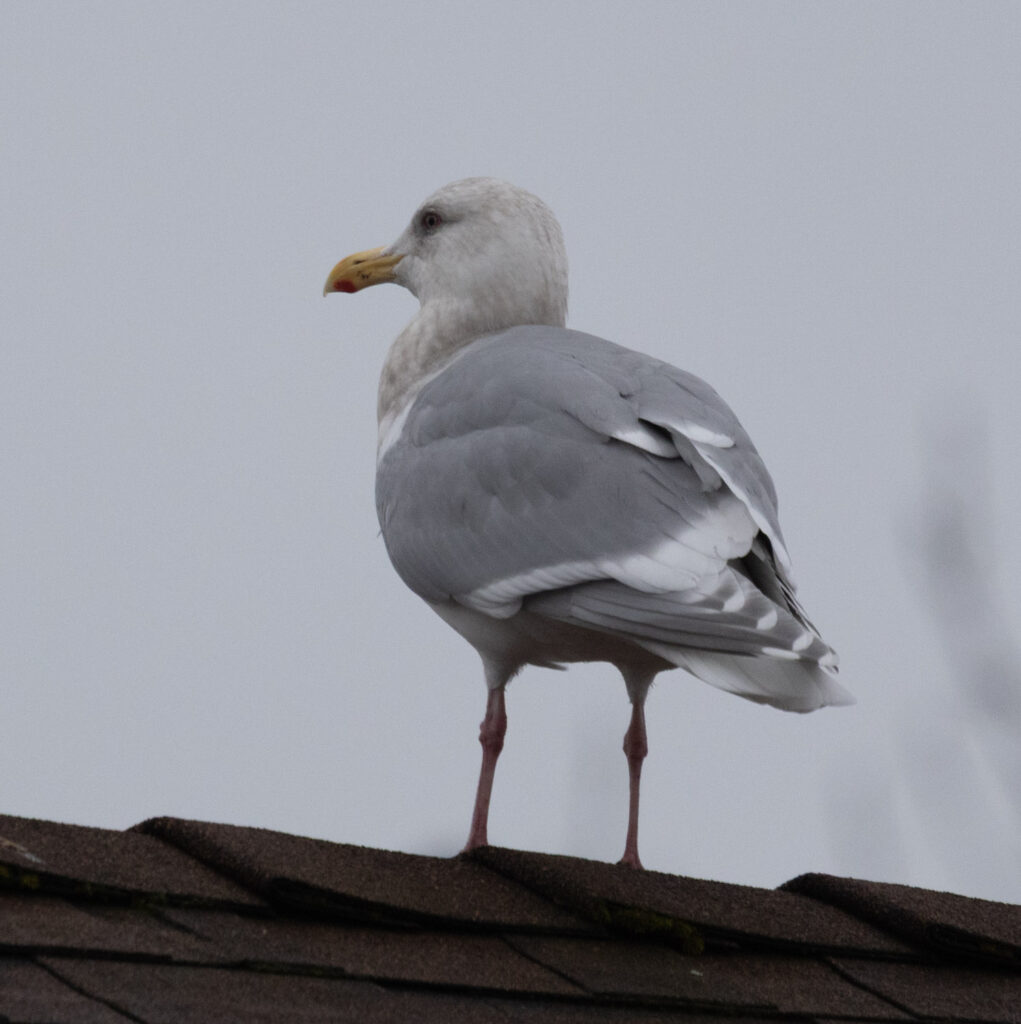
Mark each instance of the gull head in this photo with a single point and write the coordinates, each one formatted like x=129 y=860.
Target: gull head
x=483 y=250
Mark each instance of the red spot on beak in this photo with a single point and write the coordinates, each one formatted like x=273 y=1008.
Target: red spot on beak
x=345 y=286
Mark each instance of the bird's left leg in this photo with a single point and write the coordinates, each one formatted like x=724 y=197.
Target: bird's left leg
x=491 y=733
x=636 y=746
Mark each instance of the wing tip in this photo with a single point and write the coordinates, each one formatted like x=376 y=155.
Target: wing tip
x=790 y=684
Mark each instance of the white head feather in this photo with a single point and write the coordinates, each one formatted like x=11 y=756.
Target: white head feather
x=481 y=255
x=489 y=246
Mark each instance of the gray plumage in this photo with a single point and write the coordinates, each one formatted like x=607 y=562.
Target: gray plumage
x=557 y=498
x=554 y=471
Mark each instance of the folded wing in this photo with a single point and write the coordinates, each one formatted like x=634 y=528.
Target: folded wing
x=594 y=485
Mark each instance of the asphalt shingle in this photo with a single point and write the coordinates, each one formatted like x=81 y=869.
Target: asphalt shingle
x=80 y=861
x=358 y=883
x=428 y=957
x=930 y=990
x=956 y=925
x=159 y=994
x=180 y=921
x=54 y=924
x=756 y=983
x=30 y=994
x=688 y=911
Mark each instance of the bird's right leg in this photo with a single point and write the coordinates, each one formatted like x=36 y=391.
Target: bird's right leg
x=491 y=733
x=636 y=747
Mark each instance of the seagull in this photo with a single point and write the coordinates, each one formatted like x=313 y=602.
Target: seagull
x=557 y=498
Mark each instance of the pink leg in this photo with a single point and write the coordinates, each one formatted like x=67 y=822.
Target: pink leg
x=491 y=733
x=636 y=746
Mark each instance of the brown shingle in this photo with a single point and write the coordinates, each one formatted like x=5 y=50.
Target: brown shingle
x=50 y=923
x=687 y=910
x=533 y=1012
x=29 y=994
x=354 y=934
x=449 y=959
x=73 y=859
x=971 y=994
x=359 y=883
x=159 y=994
x=938 y=920
x=755 y=983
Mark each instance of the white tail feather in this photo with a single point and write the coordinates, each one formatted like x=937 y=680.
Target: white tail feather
x=799 y=685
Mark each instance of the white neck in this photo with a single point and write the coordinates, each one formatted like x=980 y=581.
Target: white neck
x=426 y=343
x=497 y=261
x=439 y=330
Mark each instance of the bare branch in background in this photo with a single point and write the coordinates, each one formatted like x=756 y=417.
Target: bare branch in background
x=965 y=774
x=960 y=556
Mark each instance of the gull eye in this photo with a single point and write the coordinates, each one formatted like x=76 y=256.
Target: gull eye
x=431 y=220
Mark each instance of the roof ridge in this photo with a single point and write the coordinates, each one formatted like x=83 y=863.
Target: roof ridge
x=330 y=931
x=982 y=930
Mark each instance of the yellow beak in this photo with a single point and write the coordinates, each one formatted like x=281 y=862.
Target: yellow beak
x=362 y=269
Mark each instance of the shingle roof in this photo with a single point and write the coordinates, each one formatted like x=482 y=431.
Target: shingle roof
x=181 y=921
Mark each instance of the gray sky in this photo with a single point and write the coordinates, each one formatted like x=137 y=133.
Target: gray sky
x=813 y=206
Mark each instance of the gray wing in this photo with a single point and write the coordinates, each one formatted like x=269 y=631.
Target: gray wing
x=595 y=484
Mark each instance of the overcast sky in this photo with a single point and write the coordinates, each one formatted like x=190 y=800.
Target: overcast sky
x=816 y=207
